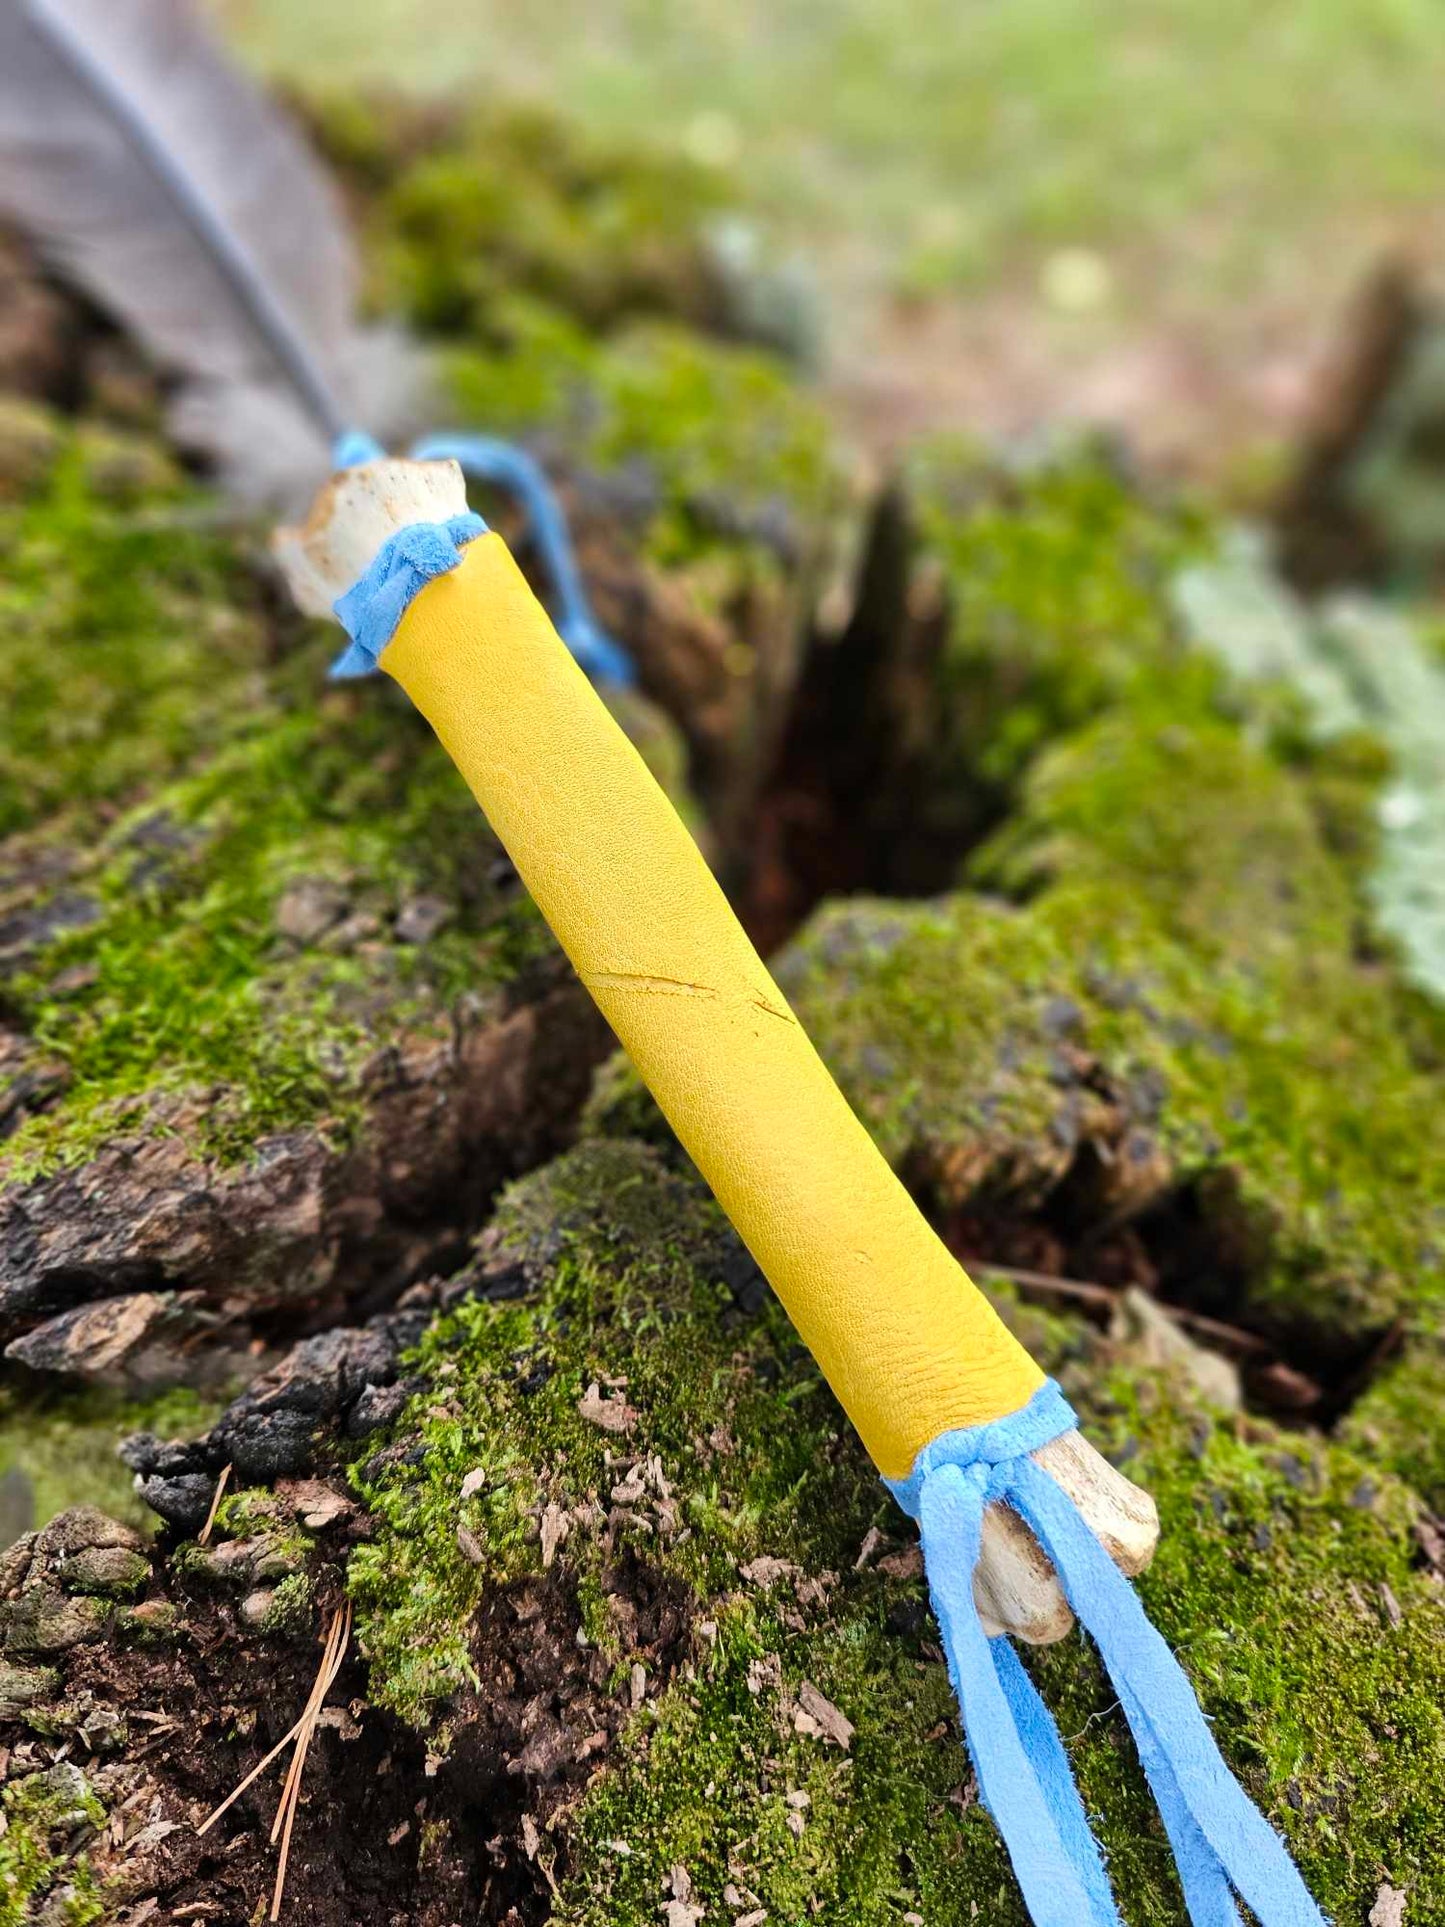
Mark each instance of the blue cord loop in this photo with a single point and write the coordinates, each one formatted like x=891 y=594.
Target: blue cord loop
x=1223 y=1846
x=506 y=466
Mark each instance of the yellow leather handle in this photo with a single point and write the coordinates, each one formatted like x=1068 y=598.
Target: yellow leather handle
x=907 y=1342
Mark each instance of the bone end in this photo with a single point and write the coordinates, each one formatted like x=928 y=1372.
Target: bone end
x=1015 y=1586
x=355 y=513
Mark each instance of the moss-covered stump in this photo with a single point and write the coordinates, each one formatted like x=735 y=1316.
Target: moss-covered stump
x=642 y=1628
x=638 y=1632
x=279 y=1015
x=1167 y=1028
x=1152 y=1038
x=464 y=205
x=999 y=604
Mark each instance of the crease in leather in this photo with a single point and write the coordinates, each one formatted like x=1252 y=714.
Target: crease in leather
x=910 y=1346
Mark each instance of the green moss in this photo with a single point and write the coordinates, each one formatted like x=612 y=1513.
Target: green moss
x=1186 y=931
x=44 y=1812
x=58 y=1448
x=1055 y=575
x=158 y=966
x=1288 y=1581
x=257 y=1512
x=1398 y=1420
x=463 y=209
x=1271 y=1584
x=31 y=439
x=634 y=1259
x=128 y=644
x=192 y=984
x=1283 y=1570
x=722 y=450
x=289 y=1614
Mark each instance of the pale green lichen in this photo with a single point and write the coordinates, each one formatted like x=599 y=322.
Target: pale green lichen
x=1358 y=663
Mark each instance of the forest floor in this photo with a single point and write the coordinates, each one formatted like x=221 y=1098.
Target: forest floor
x=1147 y=217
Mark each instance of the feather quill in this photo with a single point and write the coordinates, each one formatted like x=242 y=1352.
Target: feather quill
x=157 y=176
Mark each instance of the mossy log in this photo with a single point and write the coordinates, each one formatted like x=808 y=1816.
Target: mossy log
x=630 y=1599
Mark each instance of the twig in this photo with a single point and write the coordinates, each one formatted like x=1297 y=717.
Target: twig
x=1108 y=1297
x=203 y=1537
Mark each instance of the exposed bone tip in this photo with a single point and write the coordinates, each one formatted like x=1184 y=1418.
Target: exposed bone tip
x=355 y=512
x=1015 y=1586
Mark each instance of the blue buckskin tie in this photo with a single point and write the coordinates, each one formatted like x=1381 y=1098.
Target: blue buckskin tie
x=1223 y=1846
x=382 y=596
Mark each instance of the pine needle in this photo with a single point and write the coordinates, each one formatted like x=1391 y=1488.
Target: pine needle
x=336 y=1644
x=203 y=1538
x=338 y=1638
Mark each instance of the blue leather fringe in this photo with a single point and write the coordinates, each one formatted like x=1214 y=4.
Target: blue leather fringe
x=1223 y=1846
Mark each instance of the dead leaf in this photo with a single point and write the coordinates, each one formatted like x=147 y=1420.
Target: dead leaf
x=612 y=1414
x=764 y=1673
x=829 y=1721
x=473 y=1482
x=766 y=1571
x=629 y=1489
x=556 y=1524
x=315 y=1504
x=682 y=1910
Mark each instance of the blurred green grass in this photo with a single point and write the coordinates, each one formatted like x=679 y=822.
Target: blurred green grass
x=1213 y=150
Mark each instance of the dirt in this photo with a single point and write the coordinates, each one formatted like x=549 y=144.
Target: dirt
x=384 y=1834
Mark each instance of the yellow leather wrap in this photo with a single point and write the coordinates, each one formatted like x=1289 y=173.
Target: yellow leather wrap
x=906 y=1341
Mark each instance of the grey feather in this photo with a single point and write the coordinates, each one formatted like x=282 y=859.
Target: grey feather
x=155 y=174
